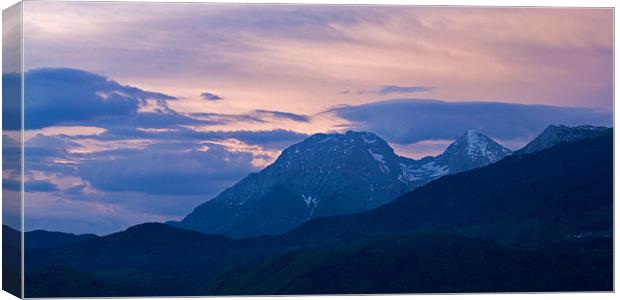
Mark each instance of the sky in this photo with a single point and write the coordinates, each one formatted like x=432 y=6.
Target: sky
x=140 y=112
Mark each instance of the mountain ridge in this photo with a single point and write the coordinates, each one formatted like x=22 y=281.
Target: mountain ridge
x=554 y=204
x=463 y=198
x=331 y=174
x=554 y=134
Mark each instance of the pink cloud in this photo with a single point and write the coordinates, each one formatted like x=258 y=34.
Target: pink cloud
x=293 y=58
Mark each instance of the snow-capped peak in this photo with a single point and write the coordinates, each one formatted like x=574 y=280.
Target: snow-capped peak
x=472 y=149
x=476 y=145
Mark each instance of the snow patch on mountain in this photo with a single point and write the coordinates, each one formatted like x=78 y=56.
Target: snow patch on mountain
x=368 y=139
x=379 y=158
x=431 y=169
x=311 y=202
x=478 y=145
x=407 y=173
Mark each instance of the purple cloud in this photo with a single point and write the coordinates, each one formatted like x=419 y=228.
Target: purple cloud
x=211 y=96
x=406 y=121
x=389 y=89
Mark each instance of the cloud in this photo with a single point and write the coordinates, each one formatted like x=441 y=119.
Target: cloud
x=211 y=96
x=389 y=89
x=269 y=139
x=39 y=186
x=283 y=115
x=11 y=185
x=289 y=61
x=92 y=215
x=11 y=154
x=161 y=163
x=406 y=121
x=392 y=89
x=112 y=182
x=165 y=169
x=31 y=186
x=63 y=96
x=50 y=154
x=60 y=98
x=222 y=119
x=305 y=52
x=256 y=116
x=11 y=101
x=116 y=148
x=261 y=157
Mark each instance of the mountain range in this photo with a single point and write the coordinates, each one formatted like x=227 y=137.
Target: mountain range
x=539 y=221
x=555 y=134
x=331 y=174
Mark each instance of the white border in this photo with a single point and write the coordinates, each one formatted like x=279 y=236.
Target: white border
x=563 y=3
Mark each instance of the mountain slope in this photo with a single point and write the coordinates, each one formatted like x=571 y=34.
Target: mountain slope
x=41 y=239
x=330 y=174
x=559 y=193
x=423 y=263
x=546 y=221
x=555 y=134
x=147 y=259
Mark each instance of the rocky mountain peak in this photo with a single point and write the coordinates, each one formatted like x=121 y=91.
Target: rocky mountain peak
x=331 y=174
x=555 y=134
x=471 y=150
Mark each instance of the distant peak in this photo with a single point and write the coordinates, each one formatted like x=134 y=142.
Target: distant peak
x=556 y=127
x=473 y=136
x=473 y=145
x=361 y=133
x=473 y=133
x=367 y=137
x=578 y=127
x=335 y=147
x=555 y=134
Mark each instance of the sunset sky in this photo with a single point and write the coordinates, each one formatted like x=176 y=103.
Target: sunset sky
x=140 y=111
